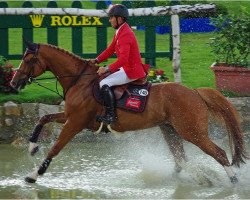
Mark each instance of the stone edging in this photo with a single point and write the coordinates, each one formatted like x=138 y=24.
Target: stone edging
x=17 y=120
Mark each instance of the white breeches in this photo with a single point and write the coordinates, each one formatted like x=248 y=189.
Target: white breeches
x=117 y=78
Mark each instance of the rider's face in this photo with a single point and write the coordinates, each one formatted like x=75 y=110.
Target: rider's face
x=113 y=22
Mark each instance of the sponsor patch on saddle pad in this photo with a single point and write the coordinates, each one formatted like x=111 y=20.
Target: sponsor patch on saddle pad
x=134 y=98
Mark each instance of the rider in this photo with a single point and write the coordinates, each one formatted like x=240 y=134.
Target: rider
x=128 y=66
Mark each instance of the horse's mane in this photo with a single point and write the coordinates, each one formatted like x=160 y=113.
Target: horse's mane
x=76 y=57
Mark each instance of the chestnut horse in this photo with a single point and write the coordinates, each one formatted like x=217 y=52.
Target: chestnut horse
x=180 y=112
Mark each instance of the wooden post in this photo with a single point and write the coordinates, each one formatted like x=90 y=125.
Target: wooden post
x=176 y=48
x=77 y=33
x=4 y=39
x=52 y=32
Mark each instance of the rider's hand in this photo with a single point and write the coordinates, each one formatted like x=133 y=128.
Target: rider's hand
x=93 y=61
x=102 y=70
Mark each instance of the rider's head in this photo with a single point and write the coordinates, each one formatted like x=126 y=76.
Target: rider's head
x=118 y=14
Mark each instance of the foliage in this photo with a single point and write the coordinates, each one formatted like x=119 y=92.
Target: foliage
x=231 y=44
x=6 y=74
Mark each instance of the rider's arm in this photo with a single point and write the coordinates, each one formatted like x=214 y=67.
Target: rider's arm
x=107 y=52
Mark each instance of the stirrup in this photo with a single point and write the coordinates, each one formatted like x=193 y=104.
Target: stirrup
x=107 y=119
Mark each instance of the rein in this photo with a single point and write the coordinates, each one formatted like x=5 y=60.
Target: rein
x=34 y=80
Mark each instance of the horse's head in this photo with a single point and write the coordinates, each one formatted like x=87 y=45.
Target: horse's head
x=30 y=67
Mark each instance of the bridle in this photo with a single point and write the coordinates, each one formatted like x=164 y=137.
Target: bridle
x=34 y=61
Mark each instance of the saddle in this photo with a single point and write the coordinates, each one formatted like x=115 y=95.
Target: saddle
x=121 y=89
x=131 y=96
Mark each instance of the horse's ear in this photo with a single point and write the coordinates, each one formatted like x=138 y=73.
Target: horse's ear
x=28 y=43
x=31 y=46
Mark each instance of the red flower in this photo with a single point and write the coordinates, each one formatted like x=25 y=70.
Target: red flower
x=6 y=75
x=159 y=72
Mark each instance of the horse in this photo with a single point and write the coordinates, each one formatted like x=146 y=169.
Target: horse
x=180 y=112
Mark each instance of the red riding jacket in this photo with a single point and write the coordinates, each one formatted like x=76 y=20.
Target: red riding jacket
x=125 y=46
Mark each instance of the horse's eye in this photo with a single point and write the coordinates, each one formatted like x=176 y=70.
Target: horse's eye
x=27 y=58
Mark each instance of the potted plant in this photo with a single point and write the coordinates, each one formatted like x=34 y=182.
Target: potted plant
x=231 y=47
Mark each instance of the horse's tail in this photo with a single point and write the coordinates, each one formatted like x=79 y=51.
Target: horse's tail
x=221 y=108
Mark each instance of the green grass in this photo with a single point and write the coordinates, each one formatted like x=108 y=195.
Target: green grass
x=196 y=56
x=195 y=62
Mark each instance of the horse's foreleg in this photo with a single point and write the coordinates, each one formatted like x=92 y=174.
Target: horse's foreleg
x=175 y=145
x=69 y=130
x=32 y=177
x=56 y=117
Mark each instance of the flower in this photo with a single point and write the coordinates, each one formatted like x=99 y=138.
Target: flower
x=159 y=72
x=156 y=76
x=151 y=73
x=6 y=75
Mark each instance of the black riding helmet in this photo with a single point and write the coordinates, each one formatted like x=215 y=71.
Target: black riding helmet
x=118 y=10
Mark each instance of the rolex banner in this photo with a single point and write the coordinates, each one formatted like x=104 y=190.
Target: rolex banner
x=36 y=21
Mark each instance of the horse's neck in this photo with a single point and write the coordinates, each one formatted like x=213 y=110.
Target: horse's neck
x=65 y=67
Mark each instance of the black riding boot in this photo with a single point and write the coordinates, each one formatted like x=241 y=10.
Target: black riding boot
x=109 y=103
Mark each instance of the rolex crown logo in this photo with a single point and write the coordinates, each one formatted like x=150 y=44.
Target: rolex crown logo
x=37 y=20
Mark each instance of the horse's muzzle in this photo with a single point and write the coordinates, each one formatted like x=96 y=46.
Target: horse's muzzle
x=18 y=85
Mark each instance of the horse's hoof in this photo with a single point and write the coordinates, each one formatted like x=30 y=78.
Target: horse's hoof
x=234 y=179
x=34 y=151
x=29 y=180
x=177 y=168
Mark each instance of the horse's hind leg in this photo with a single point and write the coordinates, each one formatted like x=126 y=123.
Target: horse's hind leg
x=56 y=117
x=175 y=145
x=198 y=135
x=210 y=148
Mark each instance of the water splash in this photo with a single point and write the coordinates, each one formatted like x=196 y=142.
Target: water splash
x=138 y=165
